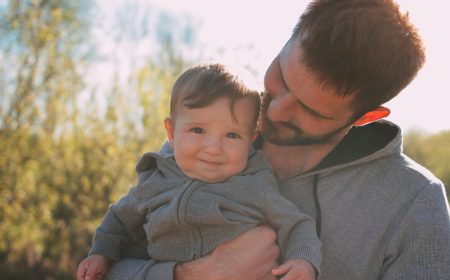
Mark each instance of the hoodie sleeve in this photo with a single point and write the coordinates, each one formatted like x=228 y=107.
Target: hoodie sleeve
x=139 y=269
x=121 y=226
x=296 y=231
x=420 y=246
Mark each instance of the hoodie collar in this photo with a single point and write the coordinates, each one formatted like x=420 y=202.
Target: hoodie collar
x=364 y=142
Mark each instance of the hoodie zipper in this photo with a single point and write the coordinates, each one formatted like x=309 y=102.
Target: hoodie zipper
x=181 y=217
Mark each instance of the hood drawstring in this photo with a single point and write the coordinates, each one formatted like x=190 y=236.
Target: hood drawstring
x=317 y=204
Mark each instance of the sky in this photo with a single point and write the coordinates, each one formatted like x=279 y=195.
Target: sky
x=251 y=33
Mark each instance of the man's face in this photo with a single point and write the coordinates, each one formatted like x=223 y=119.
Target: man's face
x=297 y=109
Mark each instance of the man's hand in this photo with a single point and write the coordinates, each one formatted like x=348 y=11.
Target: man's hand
x=295 y=269
x=249 y=256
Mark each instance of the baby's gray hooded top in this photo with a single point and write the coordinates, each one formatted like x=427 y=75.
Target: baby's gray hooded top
x=380 y=215
x=184 y=219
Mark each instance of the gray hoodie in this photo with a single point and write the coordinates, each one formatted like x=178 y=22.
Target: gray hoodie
x=379 y=214
x=184 y=219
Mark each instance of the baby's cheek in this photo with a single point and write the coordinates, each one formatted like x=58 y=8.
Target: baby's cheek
x=241 y=164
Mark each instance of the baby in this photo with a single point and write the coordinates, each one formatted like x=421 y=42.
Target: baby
x=211 y=187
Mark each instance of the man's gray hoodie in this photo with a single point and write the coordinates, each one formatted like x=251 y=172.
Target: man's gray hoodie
x=379 y=214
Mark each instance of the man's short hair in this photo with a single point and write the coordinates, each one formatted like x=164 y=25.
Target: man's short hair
x=364 y=48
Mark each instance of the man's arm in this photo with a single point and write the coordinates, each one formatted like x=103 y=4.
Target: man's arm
x=420 y=247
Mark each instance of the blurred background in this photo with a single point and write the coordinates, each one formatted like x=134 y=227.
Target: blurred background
x=84 y=89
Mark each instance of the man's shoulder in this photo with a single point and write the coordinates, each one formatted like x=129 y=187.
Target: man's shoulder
x=418 y=176
x=402 y=178
x=414 y=173
x=391 y=177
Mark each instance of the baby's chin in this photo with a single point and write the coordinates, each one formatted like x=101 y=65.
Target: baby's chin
x=212 y=180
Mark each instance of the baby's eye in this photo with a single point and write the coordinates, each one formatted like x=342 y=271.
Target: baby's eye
x=197 y=130
x=233 y=135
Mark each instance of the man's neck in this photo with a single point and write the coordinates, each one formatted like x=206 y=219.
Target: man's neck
x=290 y=161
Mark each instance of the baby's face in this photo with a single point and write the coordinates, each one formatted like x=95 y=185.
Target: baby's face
x=209 y=144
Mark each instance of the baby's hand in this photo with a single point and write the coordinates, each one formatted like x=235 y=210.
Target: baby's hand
x=295 y=269
x=93 y=267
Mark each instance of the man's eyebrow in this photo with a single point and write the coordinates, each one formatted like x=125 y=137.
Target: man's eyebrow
x=307 y=108
x=312 y=111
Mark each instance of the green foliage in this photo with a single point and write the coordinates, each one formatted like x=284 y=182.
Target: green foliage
x=432 y=151
x=38 y=90
x=62 y=165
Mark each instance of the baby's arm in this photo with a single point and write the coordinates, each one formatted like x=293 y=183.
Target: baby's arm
x=295 y=269
x=296 y=231
x=93 y=267
x=121 y=225
x=118 y=228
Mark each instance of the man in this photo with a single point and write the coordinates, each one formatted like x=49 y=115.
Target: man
x=379 y=215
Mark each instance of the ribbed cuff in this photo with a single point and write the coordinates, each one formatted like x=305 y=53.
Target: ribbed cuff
x=312 y=256
x=105 y=248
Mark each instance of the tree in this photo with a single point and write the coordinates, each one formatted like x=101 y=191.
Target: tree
x=432 y=151
x=44 y=53
x=61 y=161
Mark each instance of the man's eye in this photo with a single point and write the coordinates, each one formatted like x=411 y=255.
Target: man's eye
x=197 y=130
x=233 y=135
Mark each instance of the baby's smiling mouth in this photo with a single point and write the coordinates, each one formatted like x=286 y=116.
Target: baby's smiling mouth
x=211 y=163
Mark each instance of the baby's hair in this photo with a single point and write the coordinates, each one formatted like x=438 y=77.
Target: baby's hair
x=201 y=85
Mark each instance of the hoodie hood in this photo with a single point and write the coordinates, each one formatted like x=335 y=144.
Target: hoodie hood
x=363 y=144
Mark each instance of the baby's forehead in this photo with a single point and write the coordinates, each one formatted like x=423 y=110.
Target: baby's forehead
x=198 y=103
x=241 y=112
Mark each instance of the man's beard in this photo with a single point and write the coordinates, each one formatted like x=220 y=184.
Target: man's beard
x=287 y=134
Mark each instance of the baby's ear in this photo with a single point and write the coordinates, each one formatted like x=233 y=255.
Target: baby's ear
x=255 y=135
x=169 y=125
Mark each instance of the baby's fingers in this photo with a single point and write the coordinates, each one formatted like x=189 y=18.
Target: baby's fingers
x=90 y=275
x=282 y=269
x=94 y=273
x=81 y=272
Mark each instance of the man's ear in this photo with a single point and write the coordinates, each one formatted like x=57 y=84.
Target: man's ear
x=374 y=115
x=169 y=125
